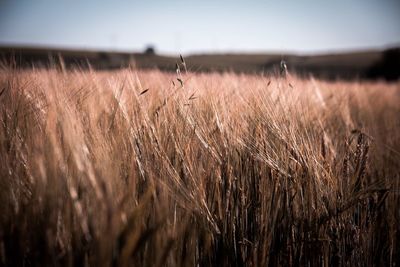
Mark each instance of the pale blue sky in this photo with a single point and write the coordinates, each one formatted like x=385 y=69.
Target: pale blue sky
x=185 y=26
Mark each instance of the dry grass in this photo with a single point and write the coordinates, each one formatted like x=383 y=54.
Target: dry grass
x=129 y=168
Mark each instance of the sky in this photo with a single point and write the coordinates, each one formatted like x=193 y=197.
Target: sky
x=186 y=26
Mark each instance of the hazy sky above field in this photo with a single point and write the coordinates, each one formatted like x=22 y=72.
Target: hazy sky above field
x=185 y=26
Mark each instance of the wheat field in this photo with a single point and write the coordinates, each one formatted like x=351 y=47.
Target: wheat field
x=146 y=168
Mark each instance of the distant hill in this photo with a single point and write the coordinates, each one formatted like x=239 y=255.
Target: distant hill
x=365 y=64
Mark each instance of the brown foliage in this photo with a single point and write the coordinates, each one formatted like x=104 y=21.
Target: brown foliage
x=122 y=168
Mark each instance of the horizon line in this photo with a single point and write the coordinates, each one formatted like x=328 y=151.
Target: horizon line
x=160 y=52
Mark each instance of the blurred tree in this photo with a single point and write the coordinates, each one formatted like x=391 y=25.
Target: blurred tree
x=388 y=67
x=150 y=50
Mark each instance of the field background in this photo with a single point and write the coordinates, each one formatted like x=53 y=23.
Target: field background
x=147 y=168
x=352 y=65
